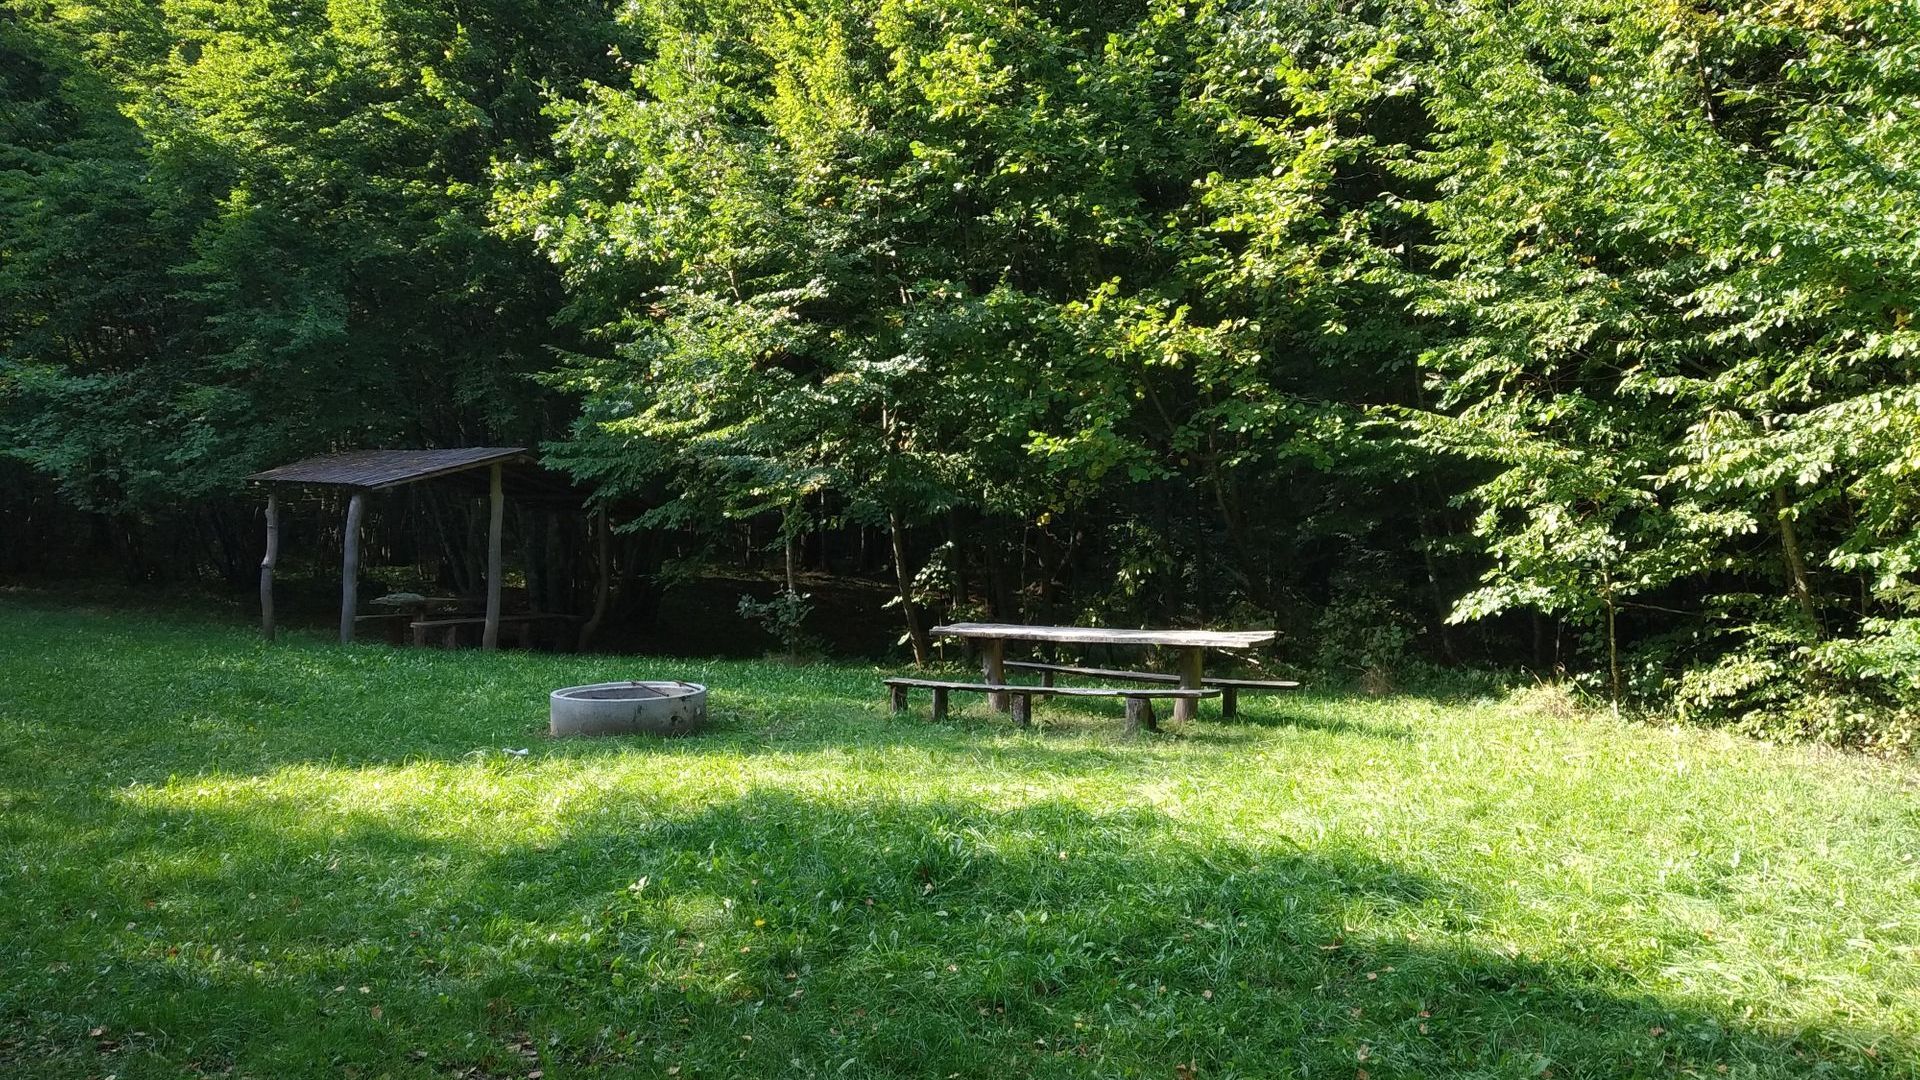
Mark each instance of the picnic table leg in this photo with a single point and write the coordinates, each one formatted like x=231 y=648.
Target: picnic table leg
x=993 y=660
x=899 y=699
x=1140 y=715
x=1022 y=709
x=939 y=703
x=1191 y=661
x=1229 y=702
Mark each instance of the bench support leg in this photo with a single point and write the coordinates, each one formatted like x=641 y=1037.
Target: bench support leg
x=899 y=699
x=993 y=658
x=1229 y=702
x=1022 y=709
x=939 y=703
x=1191 y=662
x=1140 y=715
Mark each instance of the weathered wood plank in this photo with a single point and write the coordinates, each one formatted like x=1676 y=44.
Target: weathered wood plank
x=1170 y=692
x=1140 y=715
x=1193 y=660
x=1094 y=635
x=1048 y=671
x=350 y=567
x=490 y=637
x=993 y=656
x=1022 y=709
x=267 y=563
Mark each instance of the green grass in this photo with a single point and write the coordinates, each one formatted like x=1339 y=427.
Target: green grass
x=222 y=857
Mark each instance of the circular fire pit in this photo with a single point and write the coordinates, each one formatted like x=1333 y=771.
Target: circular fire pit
x=629 y=708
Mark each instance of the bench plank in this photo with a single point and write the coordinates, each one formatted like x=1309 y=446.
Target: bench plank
x=1094 y=635
x=1059 y=691
x=1151 y=676
x=1139 y=700
x=1230 y=688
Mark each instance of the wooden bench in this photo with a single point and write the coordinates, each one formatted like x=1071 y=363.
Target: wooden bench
x=1139 y=702
x=522 y=623
x=1229 y=688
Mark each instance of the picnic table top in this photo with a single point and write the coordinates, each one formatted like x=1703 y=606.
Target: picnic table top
x=1096 y=635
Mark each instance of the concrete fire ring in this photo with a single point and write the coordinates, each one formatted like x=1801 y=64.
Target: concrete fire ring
x=629 y=708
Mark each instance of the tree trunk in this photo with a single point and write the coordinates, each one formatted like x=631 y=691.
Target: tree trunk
x=603 y=579
x=1613 y=651
x=916 y=633
x=1440 y=611
x=1796 y=564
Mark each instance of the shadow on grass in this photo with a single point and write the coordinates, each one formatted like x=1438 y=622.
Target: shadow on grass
x=782 y=932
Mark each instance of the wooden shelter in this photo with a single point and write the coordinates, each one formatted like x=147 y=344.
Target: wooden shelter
x=362 y=471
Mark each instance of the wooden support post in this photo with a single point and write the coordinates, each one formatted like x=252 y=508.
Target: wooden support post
x=899 y=699
x=993 y=658
x=350 y=567
x=1229 y=702
x=1022 y=709
x=939 y=703
x=1140 y=715
x=1192 y=661
x=490 y=637
x=267 y=563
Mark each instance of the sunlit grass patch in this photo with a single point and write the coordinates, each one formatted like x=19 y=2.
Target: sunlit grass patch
x=307 y=860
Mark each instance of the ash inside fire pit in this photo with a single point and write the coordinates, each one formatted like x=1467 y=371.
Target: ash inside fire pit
x=629 y=708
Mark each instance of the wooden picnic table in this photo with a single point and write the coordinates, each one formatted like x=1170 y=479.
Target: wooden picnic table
x=1193 y=646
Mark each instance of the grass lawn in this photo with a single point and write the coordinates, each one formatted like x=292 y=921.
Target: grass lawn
x=222 y=857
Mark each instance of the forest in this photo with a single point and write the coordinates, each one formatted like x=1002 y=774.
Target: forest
x=1573 y=337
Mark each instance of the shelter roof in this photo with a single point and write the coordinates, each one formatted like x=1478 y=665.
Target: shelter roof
x=379 y=470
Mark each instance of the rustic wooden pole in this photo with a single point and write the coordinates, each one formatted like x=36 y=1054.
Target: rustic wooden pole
x=350 y=567
x=993 y=658
x=267 y=564
x=490 y=638
x=1192 y=661
x=1140 y=716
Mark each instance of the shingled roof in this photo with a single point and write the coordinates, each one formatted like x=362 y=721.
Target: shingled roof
x=376 y=470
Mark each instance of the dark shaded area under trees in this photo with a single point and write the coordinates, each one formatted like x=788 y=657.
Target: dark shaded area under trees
x=1577 y=339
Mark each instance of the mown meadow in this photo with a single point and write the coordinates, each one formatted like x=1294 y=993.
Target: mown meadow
x=222 y=857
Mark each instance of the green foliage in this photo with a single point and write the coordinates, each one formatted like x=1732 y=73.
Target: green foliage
x=1679 y=253
x=1594 y=318
x=784 y=617
x=269 y=236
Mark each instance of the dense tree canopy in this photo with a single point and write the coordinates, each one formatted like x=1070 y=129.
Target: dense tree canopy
x=1577 y=335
